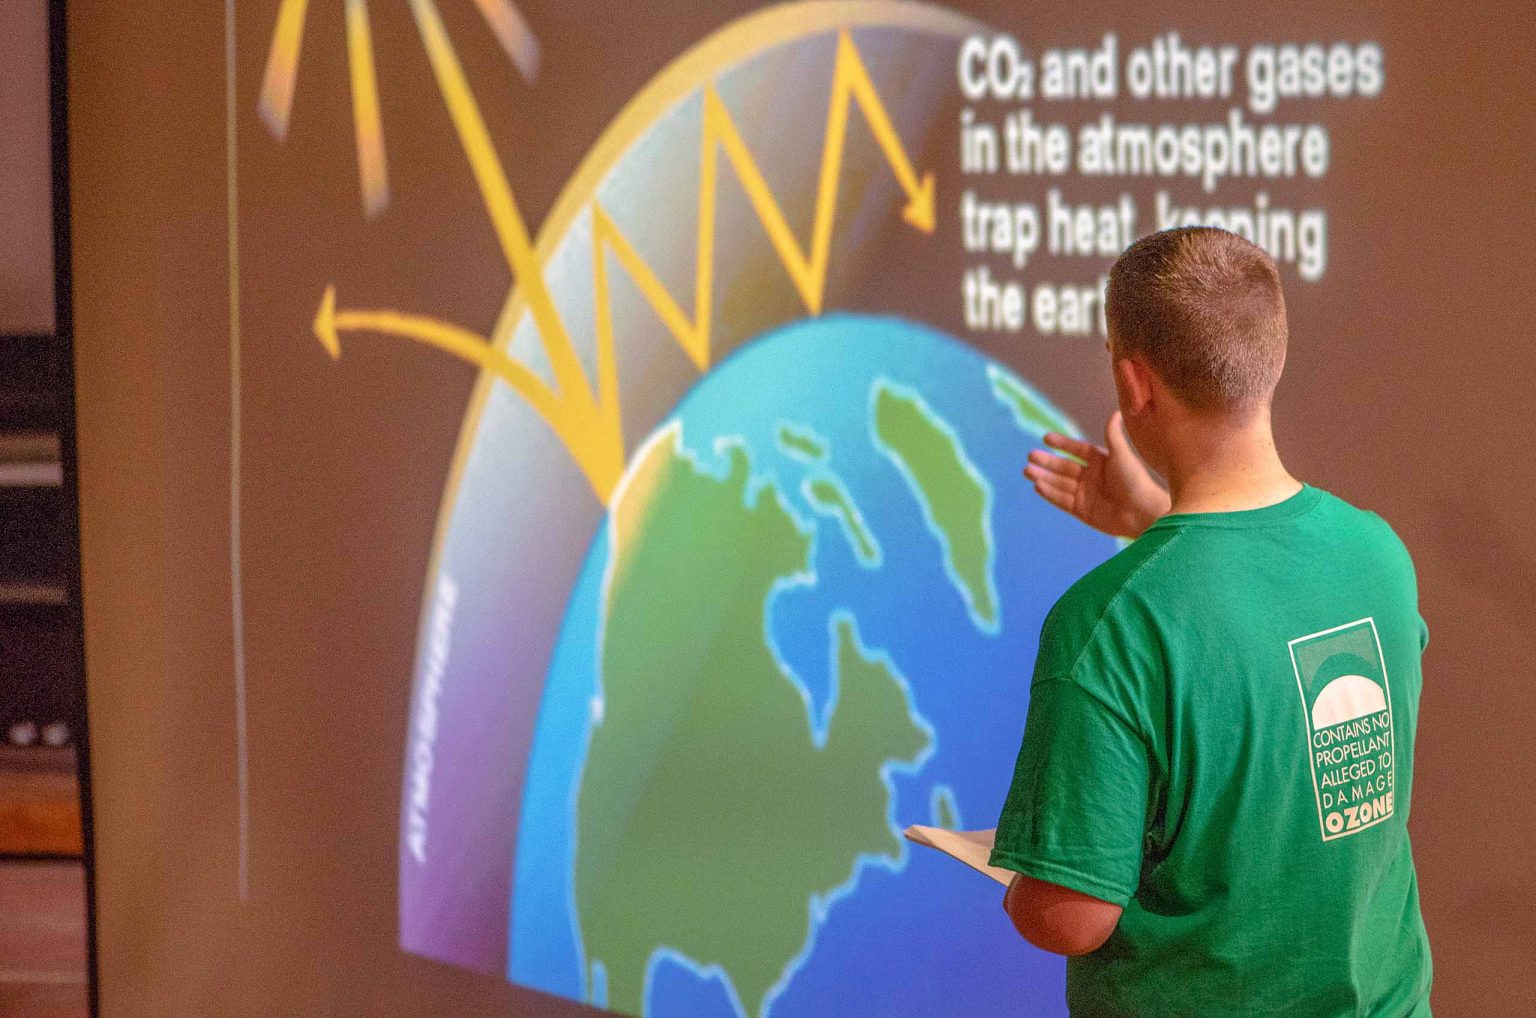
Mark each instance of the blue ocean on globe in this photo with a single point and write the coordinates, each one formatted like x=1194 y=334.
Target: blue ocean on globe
x=909 y=932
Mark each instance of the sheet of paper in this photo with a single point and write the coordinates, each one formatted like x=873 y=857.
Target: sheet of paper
x=970 y=847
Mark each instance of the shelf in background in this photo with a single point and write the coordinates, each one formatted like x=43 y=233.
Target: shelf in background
x=31 y=475
x=30 y=459
x=39 y=801
x=43 y=939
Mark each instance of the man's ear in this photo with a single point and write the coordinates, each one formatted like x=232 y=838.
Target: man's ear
x=1135 y=382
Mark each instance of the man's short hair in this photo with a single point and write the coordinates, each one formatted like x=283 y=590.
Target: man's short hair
x=1205 y=310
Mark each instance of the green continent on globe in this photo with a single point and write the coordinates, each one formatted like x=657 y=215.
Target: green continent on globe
x=955 y=498
x=1030 y=412
x=800 y=442
x=946 y=812
x=708 y=820
x=829 y=497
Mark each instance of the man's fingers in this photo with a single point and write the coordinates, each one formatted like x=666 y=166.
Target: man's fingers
x=1042 y=475
x=1085 y=451
x=1057 y=497
x=1055 y=464
x=1046 y=481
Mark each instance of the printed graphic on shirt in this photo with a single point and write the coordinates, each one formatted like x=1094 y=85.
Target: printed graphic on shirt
x=1348 y=707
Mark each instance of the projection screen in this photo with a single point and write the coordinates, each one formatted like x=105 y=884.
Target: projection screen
x=552 y=508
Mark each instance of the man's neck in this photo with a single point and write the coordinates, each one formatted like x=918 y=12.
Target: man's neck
x=1226 y=467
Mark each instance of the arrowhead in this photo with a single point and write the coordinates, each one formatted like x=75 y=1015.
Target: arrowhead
x=325 y=324
x=920 y=209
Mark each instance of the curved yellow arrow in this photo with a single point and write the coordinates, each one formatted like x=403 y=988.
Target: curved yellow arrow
x=571 y=422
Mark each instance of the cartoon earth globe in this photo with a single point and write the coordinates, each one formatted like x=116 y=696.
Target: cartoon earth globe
x=808 y=621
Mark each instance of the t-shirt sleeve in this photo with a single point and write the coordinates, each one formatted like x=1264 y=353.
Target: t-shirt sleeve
x=1423 y=634
x=1076 y=811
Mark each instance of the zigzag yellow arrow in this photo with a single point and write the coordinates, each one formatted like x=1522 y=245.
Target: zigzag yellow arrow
x=588 y=423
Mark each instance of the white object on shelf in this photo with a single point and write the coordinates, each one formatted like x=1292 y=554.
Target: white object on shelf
x=22 y=733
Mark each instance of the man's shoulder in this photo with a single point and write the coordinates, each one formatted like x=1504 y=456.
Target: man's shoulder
x=1097 y=589
x=1365 y=524
x=1079 y=612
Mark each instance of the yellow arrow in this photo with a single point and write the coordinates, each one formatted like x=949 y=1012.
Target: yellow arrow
x=452 y=339
x=920 y=210
x=579 y=426
x=920 y=204
x=807 y=267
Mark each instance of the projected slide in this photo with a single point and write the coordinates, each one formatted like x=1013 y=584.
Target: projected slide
x=791 y=623
x=734 y=575
x=792 y=629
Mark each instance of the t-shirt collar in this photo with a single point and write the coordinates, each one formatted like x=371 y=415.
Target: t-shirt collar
x=1264 y=516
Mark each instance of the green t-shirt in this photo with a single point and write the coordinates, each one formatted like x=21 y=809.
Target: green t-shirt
x=1220 y=739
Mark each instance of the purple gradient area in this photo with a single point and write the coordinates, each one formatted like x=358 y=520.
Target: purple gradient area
x=454 y=905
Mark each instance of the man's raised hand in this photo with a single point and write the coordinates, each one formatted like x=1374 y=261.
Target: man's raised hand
x=1110 y=489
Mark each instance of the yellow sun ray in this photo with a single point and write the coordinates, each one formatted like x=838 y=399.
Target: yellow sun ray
x=283 y=67
x=371 y=171
x=282 y=70
x=513 y=34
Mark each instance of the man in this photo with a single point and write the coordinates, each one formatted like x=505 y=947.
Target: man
x=1209 y=810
